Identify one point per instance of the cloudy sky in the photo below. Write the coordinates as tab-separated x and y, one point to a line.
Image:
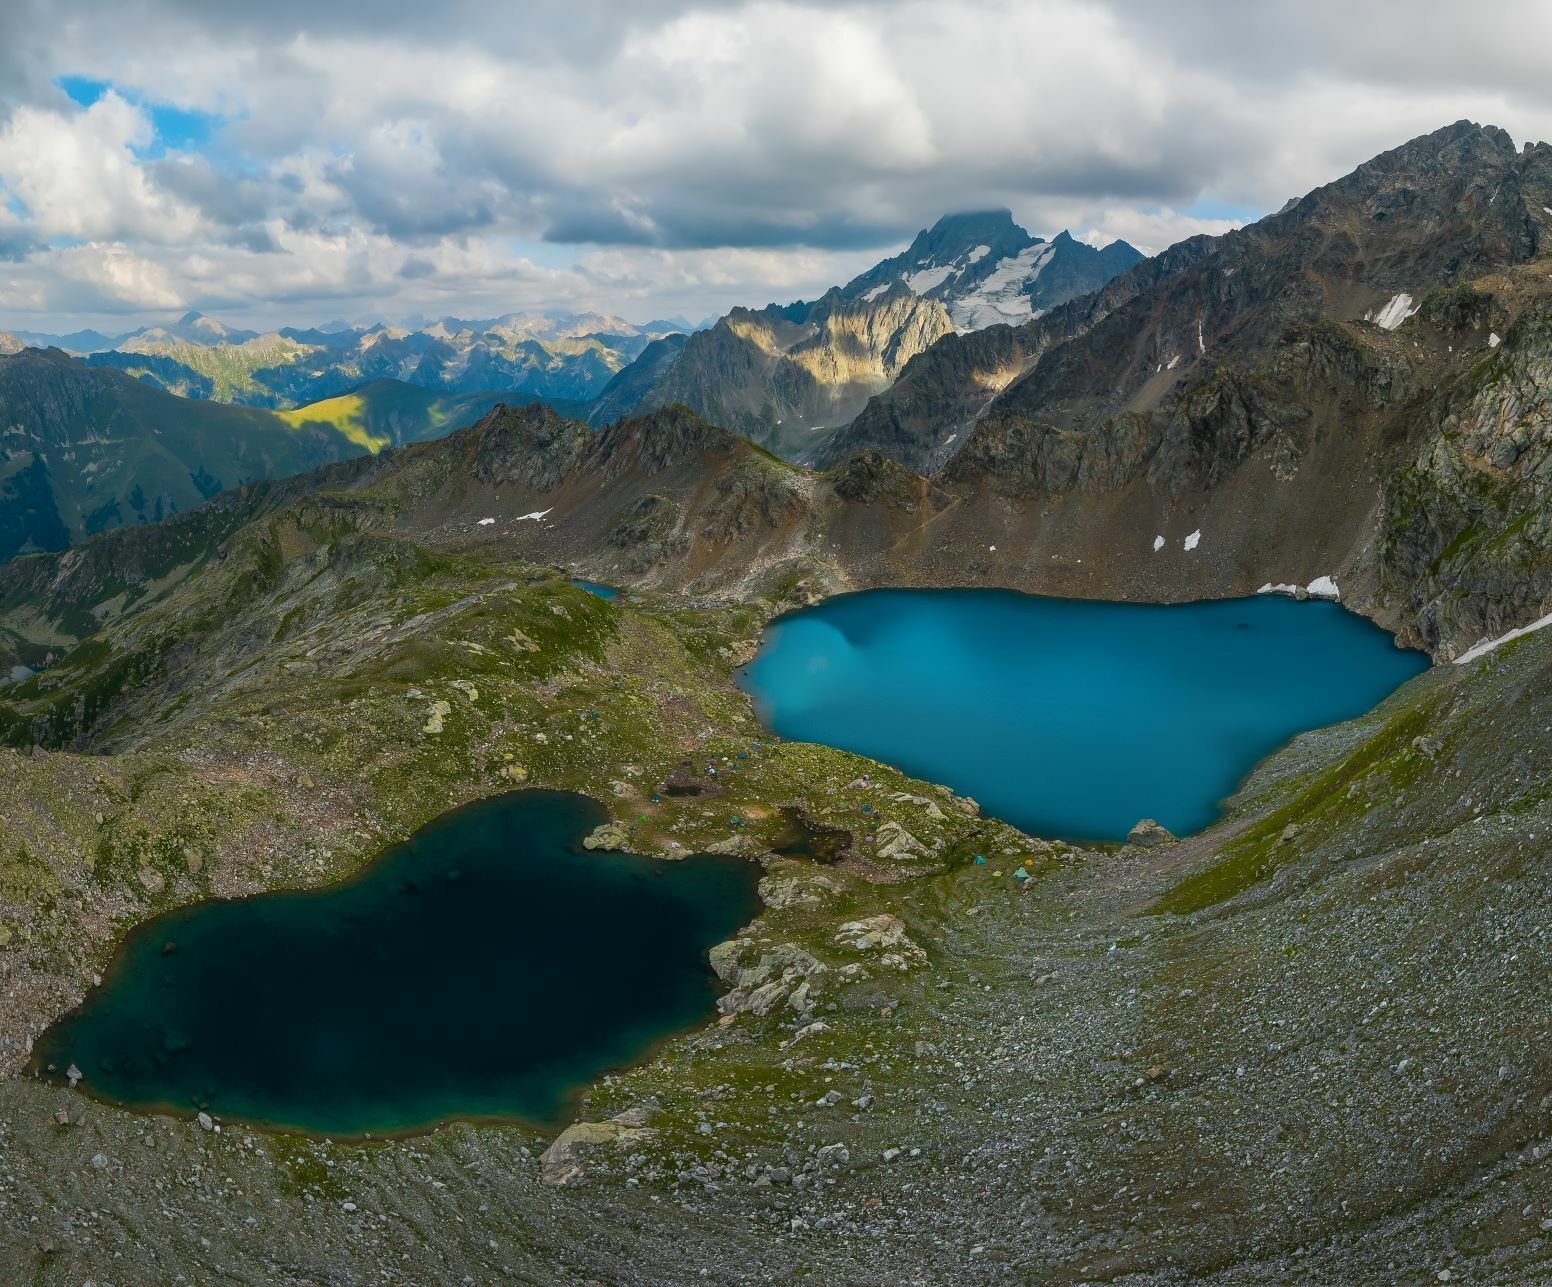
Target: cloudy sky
295	161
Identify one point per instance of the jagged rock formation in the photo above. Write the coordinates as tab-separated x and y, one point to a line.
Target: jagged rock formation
986	270
926	415
1402	469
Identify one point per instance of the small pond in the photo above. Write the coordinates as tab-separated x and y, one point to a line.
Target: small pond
1071	718
486	967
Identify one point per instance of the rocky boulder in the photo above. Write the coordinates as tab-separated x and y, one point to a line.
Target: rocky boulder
561	1163
1147	834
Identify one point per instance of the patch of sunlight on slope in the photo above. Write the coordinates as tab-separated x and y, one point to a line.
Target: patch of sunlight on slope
346	415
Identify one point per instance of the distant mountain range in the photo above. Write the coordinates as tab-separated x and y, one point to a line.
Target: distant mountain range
564	358
785	376
84	449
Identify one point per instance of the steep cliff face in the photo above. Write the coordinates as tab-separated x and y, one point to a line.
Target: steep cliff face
1465	539
627	389
782	376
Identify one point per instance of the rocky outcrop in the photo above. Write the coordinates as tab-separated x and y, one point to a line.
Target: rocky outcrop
763	977
606	836
884	935
1148	834
564	1161
530	446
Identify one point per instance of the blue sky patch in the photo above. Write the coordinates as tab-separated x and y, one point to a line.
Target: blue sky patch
178	129
1207	208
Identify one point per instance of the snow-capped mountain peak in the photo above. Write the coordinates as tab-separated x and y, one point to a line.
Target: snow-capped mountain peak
985	269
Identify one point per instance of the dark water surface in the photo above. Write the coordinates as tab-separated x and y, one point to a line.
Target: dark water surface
487	967
1071	718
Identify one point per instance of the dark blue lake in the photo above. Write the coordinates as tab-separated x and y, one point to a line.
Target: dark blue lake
487	967
1071	718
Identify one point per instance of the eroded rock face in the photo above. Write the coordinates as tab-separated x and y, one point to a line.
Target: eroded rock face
772	374
1466	537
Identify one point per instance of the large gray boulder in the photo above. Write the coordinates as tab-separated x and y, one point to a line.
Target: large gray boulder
1148	833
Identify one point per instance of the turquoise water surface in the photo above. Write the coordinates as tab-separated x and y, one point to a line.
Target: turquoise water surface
1071	718
486	967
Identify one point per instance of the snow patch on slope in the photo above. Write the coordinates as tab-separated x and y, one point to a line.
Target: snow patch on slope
1396	311
1322	587
1487	645
927	278
1000	296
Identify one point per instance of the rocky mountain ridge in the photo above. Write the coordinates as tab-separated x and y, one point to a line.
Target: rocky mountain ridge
1405	465
1441	209
788	377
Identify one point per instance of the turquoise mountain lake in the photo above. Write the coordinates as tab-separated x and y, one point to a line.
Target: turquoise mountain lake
486	967
1071	718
